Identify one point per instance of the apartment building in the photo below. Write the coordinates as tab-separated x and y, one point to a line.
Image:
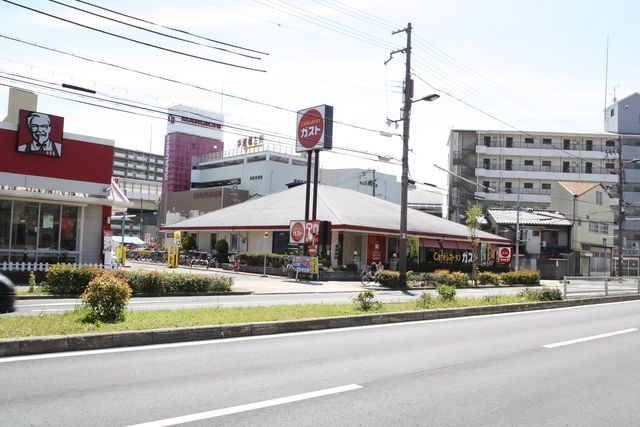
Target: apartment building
503	168
139	174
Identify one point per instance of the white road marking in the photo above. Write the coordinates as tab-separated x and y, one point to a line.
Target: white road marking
287	334
248	407
594	337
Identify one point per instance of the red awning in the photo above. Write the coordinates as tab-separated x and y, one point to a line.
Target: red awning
429	243
448	244
465	245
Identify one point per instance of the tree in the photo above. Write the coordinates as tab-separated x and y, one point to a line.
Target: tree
474	212
189	243
222	251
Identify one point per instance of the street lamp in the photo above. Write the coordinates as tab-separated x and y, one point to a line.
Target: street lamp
402	247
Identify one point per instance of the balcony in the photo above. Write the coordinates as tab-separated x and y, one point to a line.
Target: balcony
553	173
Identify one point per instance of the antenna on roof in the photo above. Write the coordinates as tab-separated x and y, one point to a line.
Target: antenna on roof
606	77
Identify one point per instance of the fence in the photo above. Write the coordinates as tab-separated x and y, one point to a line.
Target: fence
43	266
579	285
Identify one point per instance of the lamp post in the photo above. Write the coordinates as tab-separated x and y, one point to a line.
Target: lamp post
402	247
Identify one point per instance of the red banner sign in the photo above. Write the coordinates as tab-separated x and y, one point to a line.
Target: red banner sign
504	255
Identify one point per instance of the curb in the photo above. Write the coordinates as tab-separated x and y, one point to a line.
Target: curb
53	344
186	294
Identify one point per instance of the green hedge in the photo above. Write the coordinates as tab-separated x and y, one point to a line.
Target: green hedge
257	259
69	280
387	278
488	278
441	277
521	277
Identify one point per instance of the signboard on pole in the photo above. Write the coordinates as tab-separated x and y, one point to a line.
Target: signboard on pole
297	231
504	255
314	129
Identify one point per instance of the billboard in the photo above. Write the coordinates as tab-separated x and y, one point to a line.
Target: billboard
504	255
40	133
314	129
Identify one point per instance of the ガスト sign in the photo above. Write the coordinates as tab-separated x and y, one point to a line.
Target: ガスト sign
315	129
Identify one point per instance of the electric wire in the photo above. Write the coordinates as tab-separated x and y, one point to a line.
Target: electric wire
171	28
229	64
152	31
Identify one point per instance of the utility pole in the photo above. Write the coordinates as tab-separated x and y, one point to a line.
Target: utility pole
517	263
406	114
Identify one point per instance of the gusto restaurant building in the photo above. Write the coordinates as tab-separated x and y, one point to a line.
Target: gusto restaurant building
56	191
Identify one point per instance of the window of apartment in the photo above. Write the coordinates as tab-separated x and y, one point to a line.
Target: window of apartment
546	163
485	186
508	164
546	186
509	142
486	163
589	145
593	227
487	141
565	166
599	197
588	167
604	228
566	144
507	187
528	185
546	140
528	140
609	166
613	112
528	162
611	143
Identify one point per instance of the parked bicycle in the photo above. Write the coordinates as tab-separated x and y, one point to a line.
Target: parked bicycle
369	274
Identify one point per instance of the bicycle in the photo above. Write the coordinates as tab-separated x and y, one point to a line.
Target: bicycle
366	276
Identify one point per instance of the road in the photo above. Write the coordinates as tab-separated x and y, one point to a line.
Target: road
572	367
53	305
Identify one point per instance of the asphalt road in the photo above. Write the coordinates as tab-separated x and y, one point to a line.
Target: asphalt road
570	367
53	305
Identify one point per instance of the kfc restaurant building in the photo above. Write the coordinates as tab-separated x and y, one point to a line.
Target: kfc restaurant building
56	192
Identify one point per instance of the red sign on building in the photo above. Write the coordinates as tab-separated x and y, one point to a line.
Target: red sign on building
504	255
315	129
376	249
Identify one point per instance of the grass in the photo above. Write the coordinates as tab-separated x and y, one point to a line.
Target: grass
74	322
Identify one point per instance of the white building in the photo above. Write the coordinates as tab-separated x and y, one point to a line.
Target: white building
507	168
267	168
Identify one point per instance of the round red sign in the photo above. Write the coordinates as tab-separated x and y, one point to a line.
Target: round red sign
310	128
505	252
297	232
313	251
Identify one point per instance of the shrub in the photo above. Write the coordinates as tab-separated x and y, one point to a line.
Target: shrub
387	278
65	279
351	267
178	283
542	294
365	301
146	283
425	300
488	278
447	293
222	251
459	279
521	277
32	282
106	298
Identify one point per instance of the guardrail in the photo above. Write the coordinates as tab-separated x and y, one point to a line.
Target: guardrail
43	266
607	285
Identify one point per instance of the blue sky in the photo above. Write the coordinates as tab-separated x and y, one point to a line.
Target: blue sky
533	65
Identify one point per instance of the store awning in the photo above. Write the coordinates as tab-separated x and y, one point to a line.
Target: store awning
465	246
448	244
429	243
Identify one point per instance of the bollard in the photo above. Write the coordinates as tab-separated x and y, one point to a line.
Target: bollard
606	285
565	283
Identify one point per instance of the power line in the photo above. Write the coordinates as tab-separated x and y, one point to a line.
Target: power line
152	31
171	28
134	40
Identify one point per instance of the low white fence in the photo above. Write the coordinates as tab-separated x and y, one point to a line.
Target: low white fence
43	266
607	285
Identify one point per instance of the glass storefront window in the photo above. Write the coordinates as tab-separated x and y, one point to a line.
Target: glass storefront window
25	225
49	227
69	229
5	223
